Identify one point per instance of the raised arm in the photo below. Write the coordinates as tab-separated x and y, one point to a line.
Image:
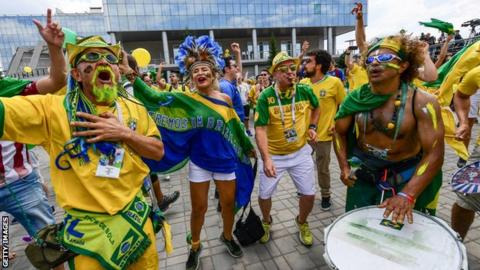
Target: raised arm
348	61
360	37
52	34
238	55
305	46
443	52
160	83
429	72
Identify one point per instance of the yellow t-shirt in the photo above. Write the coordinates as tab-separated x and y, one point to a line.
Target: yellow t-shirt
268	114
252	94
180	88
470	82
357	77
42	120
330	93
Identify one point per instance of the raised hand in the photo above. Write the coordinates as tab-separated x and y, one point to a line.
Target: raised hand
305	46
357	10
235	48
52	32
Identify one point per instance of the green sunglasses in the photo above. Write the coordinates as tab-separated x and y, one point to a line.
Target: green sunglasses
95	57
285	69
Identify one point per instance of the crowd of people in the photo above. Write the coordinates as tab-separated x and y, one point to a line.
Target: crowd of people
110	130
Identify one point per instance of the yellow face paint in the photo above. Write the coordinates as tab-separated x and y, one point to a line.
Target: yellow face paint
337	142
433	114
422	169
434	144
357	130
392	66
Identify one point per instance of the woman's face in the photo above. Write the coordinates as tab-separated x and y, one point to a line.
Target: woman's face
202	76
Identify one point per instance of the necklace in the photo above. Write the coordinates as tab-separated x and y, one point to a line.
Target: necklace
397	115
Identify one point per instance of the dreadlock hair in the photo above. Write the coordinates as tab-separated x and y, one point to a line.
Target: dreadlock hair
412	50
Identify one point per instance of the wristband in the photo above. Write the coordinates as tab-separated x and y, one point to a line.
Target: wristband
409	198
312	126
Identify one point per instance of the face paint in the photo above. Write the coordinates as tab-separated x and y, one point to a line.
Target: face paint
433	114
422	169
105	93
392	66
88	69
337	143
357	130
434	144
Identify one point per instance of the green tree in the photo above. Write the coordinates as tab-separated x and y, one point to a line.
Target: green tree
272	49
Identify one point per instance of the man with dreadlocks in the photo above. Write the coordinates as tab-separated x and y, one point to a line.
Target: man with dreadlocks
392	134
96	139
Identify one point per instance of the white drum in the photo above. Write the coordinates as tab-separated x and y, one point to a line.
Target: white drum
357	240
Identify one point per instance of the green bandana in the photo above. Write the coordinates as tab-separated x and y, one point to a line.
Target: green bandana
360	100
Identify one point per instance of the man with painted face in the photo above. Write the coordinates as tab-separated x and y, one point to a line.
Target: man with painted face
389	136
96	140
282	127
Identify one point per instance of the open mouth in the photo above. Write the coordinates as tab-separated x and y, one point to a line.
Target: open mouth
375	72
202	79
104	77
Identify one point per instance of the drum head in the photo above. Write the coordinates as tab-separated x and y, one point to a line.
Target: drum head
467	179
357	240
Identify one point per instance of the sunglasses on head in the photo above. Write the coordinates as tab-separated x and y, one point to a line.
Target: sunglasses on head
96	56
382	58
285	68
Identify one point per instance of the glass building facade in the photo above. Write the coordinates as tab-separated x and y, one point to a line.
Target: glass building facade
161	25
16	31
151	15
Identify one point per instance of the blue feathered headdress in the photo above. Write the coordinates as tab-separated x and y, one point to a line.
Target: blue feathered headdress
201	49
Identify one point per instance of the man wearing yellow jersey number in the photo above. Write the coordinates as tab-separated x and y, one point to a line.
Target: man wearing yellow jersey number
281	133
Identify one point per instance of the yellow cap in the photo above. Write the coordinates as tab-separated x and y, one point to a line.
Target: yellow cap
74	50
280	58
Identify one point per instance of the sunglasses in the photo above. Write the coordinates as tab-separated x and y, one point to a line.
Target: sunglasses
382	58
95	57
285	69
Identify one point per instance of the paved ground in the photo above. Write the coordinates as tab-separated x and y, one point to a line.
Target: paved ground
284	251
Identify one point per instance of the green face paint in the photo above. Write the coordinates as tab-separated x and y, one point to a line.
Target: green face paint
433	115
422	169
106	93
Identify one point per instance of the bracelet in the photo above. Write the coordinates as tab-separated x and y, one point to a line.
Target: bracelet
312	126
409	198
